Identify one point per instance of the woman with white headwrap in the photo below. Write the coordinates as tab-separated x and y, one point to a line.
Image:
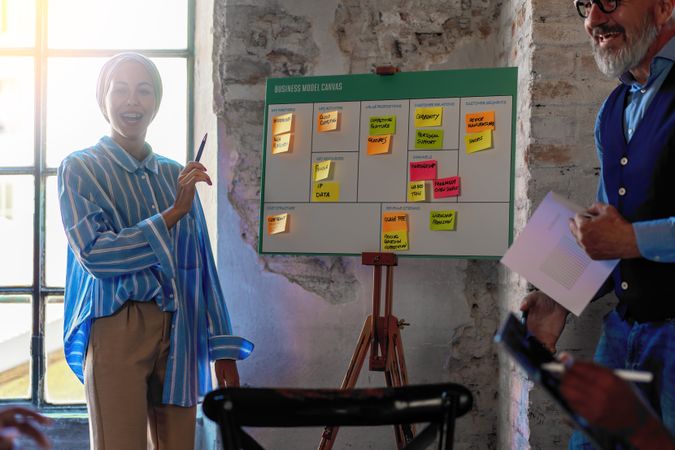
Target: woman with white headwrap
144	311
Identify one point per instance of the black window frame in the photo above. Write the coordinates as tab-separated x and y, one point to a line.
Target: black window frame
38	292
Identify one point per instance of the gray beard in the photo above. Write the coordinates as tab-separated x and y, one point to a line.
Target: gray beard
615	63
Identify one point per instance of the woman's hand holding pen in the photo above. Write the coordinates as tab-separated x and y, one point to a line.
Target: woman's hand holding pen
193	173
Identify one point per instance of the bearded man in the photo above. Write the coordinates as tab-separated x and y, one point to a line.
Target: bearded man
634	217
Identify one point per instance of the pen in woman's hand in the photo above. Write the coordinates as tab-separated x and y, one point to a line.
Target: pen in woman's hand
201	148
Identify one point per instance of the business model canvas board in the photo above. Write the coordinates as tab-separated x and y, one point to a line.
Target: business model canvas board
418	164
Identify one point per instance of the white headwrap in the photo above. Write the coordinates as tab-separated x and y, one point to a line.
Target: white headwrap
112	64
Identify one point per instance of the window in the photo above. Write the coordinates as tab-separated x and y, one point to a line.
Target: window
50	55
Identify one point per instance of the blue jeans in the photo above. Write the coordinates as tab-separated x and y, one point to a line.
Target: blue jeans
640	346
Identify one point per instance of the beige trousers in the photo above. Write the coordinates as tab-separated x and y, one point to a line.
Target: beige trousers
123	380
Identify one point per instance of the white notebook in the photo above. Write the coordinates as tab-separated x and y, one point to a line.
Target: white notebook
546	254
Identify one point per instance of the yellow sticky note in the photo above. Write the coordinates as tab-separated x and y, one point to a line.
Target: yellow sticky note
282	124
394	221
476	142
322	170
379	144
281	143
428	117
328	121
395	240
480	121
277	224
326	191
442	220
416	191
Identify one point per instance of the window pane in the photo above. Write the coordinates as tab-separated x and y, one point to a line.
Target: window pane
120	24
62	386
167	133
15	333
74	120
55	240
17	23
16	229
16	111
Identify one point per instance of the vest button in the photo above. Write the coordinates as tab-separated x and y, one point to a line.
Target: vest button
622	191
624	286
623	161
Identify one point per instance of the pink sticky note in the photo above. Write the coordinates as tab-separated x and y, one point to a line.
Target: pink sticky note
423	170
446	187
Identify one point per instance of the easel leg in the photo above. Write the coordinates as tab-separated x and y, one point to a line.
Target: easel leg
351	377
396	375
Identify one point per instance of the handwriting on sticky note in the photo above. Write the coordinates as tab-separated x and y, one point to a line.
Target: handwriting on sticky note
277	224
394	221
322	170
476	122
428	117
282	124
326	191
429	139
475	142
395	240
446	187
442	220
380	125
378	145
328	121
281	143
416	191
423	170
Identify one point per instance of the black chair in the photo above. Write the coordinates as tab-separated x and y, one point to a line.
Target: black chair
438	404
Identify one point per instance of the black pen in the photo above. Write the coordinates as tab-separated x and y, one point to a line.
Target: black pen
201	147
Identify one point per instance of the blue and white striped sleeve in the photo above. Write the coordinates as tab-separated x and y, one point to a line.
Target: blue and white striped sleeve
103	251
222	343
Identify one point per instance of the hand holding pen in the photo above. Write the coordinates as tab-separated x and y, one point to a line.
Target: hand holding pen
186	188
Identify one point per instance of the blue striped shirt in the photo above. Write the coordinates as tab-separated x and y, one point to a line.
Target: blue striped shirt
121	249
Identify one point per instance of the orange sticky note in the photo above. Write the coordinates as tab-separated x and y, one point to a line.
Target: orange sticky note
277	224
282	124
328	121
394	221
480	121
378	145
281	143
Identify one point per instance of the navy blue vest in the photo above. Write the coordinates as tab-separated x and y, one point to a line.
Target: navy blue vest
640	182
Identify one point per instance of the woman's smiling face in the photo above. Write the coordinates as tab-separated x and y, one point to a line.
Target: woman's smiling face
130	102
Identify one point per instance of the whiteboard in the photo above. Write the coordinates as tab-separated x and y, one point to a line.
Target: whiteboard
367	187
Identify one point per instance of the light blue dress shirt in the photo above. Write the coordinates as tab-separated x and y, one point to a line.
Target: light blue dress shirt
655	238
120	249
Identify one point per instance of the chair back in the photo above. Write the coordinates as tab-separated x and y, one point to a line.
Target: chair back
438	404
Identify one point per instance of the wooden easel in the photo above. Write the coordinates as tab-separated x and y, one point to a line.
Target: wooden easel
382	334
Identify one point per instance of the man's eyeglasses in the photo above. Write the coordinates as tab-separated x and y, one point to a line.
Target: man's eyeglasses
584	6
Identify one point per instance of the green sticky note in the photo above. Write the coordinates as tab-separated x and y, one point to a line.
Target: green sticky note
380	125
429	139
442	220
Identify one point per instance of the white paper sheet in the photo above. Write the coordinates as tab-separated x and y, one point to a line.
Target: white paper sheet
547	255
